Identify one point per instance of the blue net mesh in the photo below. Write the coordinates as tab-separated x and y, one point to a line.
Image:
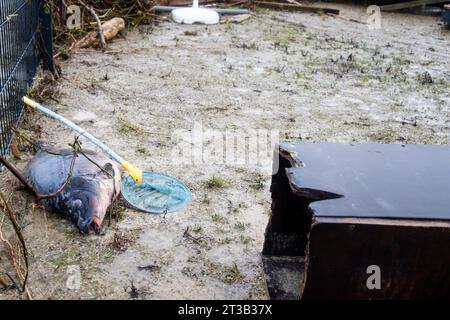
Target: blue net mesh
157	193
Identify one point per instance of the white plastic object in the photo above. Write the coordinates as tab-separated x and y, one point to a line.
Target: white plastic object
195	14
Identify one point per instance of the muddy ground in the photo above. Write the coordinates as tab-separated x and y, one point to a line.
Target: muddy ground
308	76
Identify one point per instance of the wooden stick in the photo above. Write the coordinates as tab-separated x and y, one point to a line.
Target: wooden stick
293	7
103	44
3	283
409	4
337	16
19	176
68	50
233	4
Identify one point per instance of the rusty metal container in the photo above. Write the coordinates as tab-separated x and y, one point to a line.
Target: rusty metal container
338	210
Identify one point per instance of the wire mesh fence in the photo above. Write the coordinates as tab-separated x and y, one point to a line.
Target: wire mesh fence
24	35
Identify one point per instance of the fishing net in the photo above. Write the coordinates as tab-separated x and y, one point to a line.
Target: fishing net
157	193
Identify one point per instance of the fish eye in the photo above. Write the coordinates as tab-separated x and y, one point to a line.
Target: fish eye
77	204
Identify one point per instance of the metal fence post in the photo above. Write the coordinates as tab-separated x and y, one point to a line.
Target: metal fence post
46	36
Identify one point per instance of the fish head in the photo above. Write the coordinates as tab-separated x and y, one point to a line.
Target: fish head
87	211
89	201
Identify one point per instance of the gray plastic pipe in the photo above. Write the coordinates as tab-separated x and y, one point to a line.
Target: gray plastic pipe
219	11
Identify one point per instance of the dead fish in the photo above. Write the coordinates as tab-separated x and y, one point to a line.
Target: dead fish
89	194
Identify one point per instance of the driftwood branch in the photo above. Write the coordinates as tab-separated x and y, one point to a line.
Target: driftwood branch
17	266
19	176
3	283
337	16
13	284
103	44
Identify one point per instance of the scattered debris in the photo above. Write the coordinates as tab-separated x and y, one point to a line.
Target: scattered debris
425	78
150	267
133	12
120	241
258	184
193	33
228	274
412	122
133	291
44	87
201	241
189	272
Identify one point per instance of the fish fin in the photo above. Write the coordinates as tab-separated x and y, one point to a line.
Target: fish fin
41	145
108	167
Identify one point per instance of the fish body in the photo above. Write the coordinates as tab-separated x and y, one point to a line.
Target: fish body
91	190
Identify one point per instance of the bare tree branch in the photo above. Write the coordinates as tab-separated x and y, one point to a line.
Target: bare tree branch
103	44
17	264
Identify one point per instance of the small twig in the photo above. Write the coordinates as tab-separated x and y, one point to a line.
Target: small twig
234	4
68	50
196	240
150	267
407	122
96	164
338	16
13	284
103	44
22	136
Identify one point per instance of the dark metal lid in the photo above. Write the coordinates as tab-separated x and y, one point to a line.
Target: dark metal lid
371	180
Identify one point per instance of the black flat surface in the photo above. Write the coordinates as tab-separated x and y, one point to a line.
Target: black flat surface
372	180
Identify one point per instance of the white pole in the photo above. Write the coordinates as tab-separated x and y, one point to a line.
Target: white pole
75	128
